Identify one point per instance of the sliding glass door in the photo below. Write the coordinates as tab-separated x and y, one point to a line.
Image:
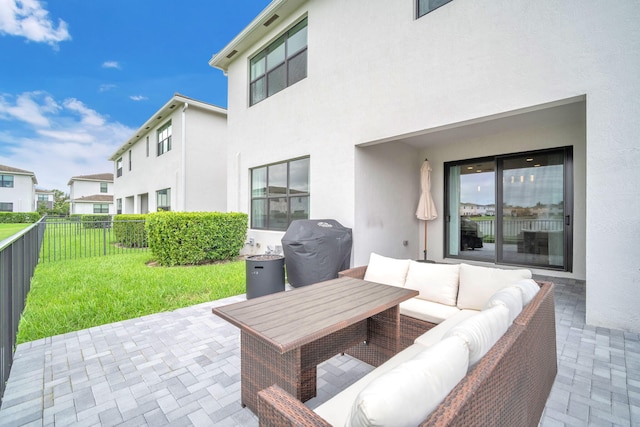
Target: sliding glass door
511	209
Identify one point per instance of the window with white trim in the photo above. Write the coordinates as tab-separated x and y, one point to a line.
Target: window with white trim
100	208
119	167
6	207
281	64
164	138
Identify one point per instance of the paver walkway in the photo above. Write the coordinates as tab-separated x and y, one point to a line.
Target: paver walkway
183	368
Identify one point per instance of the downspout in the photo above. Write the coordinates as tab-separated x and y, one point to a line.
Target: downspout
184	157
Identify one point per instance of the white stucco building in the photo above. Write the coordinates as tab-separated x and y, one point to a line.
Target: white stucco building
17	190
175	161
91	194
333	106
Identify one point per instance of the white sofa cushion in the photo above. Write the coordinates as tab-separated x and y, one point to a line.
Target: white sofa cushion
427	310
388	271
477	284
408	393
529	289
510	297
336	410
436	333
481	331
435	282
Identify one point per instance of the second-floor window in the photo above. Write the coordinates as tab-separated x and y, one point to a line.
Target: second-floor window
129	160
426	6
164	138
6	181
281	64
119	167
104	187
119	206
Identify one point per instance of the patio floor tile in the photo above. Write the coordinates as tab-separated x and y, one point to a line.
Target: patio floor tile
182	368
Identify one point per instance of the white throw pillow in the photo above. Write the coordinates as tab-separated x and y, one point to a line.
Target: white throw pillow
529	289
477	284
435	282
481	331
407	394
388	271
510	297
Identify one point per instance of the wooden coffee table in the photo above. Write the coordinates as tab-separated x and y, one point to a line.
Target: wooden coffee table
284	336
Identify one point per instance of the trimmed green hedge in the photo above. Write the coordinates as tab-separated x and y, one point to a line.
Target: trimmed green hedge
93	220
187	238
19	217
129	230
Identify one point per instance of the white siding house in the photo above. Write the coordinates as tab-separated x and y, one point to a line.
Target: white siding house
17	190
373	87
44	198
175	161
91	194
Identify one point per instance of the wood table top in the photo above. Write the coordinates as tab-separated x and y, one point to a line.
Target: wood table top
288	320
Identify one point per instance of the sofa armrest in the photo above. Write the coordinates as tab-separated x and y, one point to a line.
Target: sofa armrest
355	272
278	408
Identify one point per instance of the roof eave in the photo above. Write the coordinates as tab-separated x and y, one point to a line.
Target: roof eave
253	32
162	113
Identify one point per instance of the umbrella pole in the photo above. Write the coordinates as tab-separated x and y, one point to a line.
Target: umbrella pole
425	240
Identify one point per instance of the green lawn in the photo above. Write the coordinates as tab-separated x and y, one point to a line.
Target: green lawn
8	230
76	294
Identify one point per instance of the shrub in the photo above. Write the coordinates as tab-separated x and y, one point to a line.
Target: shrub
129	230
95	221
187	238
19	217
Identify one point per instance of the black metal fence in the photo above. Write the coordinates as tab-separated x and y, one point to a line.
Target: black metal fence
71	239
18	260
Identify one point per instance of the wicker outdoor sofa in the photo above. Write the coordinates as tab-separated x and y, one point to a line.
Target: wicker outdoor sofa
508	386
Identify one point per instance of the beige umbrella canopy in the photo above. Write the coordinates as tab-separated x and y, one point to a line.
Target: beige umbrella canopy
426	210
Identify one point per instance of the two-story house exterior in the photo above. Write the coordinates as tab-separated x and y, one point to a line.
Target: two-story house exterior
175	161
17	190
91	194
333	106
44	199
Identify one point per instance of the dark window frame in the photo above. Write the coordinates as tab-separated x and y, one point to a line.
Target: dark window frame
7	181
119	167
498	160
100	208
165	192
6	206
282	65
420	12
268	196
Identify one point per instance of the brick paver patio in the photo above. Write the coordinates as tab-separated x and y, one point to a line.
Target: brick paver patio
183	368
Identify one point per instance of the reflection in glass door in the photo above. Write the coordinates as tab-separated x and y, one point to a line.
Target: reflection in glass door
532	209
511	209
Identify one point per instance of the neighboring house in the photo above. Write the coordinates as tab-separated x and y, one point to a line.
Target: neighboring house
333	106
17	190
91	194
44	198
176	161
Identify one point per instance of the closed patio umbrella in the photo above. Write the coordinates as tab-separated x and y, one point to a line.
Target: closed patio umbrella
426	210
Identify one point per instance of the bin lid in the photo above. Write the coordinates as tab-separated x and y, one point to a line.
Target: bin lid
264	257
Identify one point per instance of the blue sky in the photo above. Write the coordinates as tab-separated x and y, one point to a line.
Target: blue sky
78	77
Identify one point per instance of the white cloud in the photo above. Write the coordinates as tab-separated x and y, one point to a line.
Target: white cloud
68	138
138	98
106	87
29	19
111	64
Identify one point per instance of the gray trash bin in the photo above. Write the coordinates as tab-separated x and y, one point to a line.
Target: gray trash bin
265	275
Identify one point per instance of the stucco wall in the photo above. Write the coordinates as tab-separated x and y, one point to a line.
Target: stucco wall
22	194
377	74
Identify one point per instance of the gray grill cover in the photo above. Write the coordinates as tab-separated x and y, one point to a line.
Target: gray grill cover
315	250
